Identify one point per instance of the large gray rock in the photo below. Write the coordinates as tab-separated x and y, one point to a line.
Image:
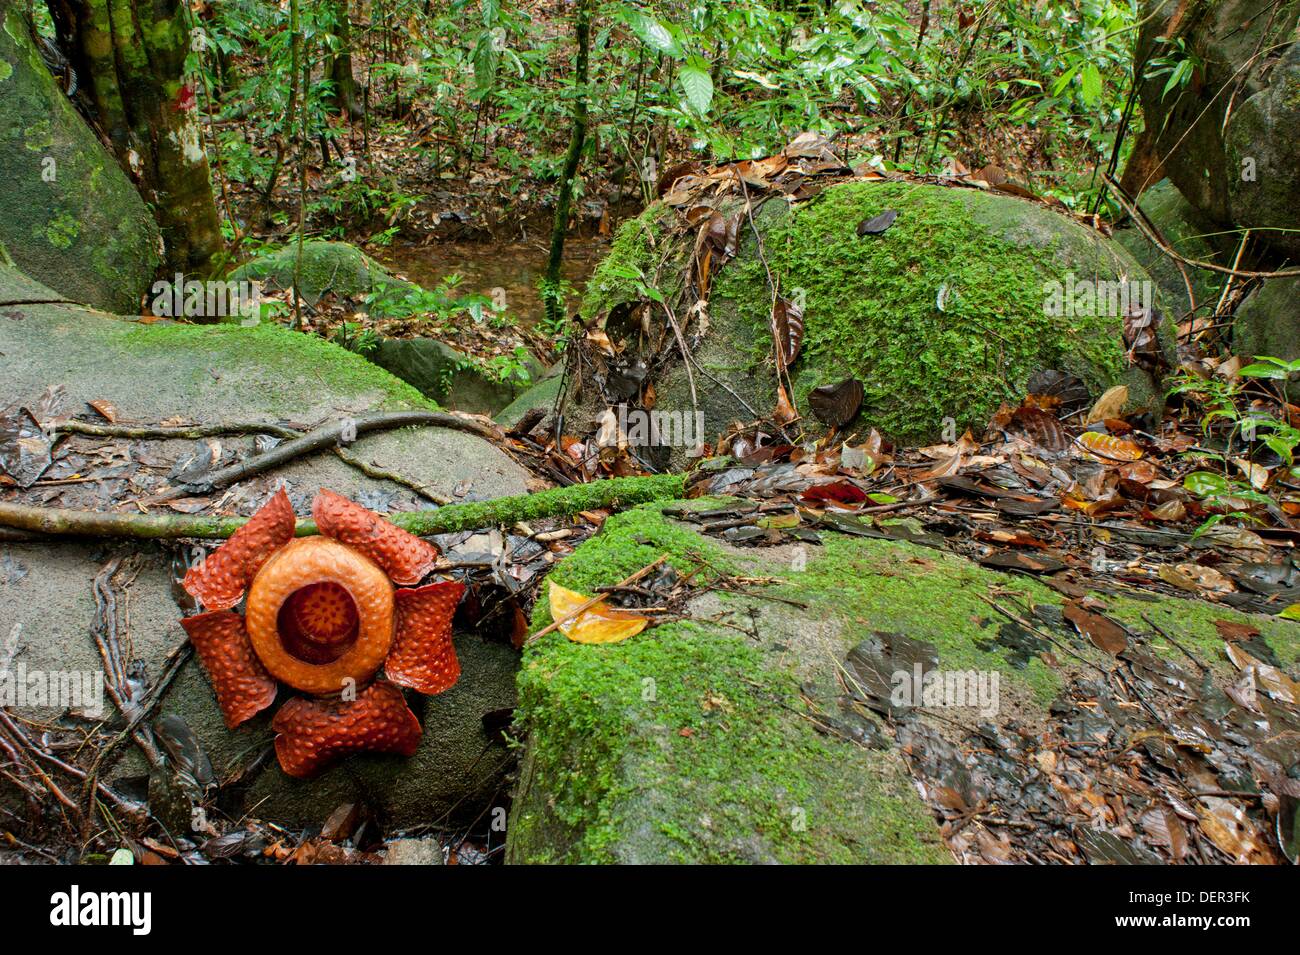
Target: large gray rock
1268	321
335	268
447	376
72	219
226	372
945	315
1264	136
1238	45
697	740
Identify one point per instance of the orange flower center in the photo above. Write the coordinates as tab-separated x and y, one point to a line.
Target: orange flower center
320	615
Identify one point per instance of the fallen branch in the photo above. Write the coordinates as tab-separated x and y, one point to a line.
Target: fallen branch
327	436
556	502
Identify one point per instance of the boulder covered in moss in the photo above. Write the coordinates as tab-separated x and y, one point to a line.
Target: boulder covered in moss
155	372
327	268
724	737
944	315
72	219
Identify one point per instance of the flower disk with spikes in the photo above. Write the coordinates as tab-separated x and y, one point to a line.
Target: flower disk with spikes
323	616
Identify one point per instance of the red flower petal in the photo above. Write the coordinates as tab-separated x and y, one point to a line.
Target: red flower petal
315	733
423	656
402	555
242	685
221	579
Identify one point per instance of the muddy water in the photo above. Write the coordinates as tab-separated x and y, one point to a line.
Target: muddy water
513	267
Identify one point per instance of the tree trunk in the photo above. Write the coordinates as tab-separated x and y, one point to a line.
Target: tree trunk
339	67
552	294
130	55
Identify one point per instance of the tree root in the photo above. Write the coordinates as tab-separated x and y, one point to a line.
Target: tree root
556	502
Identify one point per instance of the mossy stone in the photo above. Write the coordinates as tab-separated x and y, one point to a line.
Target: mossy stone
327	267
944	315
689	742
72	219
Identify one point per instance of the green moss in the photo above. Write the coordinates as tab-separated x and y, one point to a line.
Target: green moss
62	231
871	303
715	763
685	744
272	346
878	585
327	267
6	70
38	137
637	255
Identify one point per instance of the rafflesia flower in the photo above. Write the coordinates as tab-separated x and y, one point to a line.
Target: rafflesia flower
323	616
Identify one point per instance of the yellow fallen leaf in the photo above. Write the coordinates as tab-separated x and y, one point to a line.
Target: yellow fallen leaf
1109	446
1108	405
599	623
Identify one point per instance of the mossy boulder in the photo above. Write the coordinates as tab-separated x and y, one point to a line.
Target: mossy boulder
946	314
449	376
72	219
1188	233
540	395
327	268
694	741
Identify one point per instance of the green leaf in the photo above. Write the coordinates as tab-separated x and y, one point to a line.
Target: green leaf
1260	370
1206	484
880	498
697	84
1091	80
1291	613
656	35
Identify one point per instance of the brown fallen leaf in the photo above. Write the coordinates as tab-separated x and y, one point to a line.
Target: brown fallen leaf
106	408
1105	634
1272	681
1110	447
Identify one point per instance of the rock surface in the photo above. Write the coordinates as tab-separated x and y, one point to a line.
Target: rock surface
1268	321
72	219
692	742
1243	66
944	315
1187	232
327	267
444	374
225	372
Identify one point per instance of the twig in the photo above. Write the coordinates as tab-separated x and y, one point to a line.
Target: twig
383	474
326	436
159	433
1150	233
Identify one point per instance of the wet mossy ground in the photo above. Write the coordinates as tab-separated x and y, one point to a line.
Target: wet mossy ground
690	741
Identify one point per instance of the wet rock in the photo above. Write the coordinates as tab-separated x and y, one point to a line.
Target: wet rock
327	268
447	375
1268	321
